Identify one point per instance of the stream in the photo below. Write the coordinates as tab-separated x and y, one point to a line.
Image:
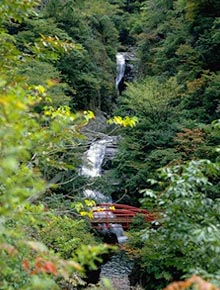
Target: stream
119	266
117	270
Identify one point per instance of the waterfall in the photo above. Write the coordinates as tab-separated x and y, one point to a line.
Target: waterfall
117	229
126	69
92	167
93	159
121	65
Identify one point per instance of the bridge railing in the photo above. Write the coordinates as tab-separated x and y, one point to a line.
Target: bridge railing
106	213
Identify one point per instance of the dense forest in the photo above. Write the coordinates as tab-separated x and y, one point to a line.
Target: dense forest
57	85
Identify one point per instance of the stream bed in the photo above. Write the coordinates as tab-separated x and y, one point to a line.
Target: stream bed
117	270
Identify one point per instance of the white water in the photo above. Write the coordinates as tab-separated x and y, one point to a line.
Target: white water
117	229
93	159
92	167
97	196
121	64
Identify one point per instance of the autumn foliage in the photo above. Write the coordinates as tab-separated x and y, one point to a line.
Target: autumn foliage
196	282
40	266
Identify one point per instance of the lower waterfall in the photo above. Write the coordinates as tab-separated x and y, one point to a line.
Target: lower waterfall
92	167
94	157
117	229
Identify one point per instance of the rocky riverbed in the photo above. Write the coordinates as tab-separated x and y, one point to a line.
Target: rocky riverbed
117	271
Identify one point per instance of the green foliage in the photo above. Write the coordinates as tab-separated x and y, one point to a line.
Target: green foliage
15	255
149	145
138	223
203	99
17	10
64	235
31	260
29	264
7	44
152	98
89	255
187	240
91	25
28	148
163	157
43	38
45	74
177	88
38	146
172	43
64	54
17	179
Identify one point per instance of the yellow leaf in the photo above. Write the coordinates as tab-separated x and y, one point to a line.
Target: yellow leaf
20	105
40	89
89	115
4	100
112	207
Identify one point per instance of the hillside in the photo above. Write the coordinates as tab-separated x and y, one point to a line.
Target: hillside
58	95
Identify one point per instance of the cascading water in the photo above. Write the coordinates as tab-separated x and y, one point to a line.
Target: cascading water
93	159
119	266
117	229
92	167
117	269
121	65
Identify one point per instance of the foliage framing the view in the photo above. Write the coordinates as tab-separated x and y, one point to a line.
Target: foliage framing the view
34	139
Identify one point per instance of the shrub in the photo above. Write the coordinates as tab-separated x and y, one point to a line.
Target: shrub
65	235
188	239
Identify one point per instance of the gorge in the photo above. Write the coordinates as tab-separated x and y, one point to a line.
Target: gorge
152	69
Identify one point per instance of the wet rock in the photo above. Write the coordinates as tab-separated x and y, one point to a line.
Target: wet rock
117	270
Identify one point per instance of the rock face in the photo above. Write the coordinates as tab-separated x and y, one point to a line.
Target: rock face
130	71
96	126
110	152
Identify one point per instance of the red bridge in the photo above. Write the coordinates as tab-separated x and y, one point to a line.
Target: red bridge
106	214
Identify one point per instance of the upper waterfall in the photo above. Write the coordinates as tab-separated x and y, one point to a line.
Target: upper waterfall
121	65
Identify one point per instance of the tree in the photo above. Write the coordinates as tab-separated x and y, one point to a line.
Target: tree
186	241
91	25
151	98
33	146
